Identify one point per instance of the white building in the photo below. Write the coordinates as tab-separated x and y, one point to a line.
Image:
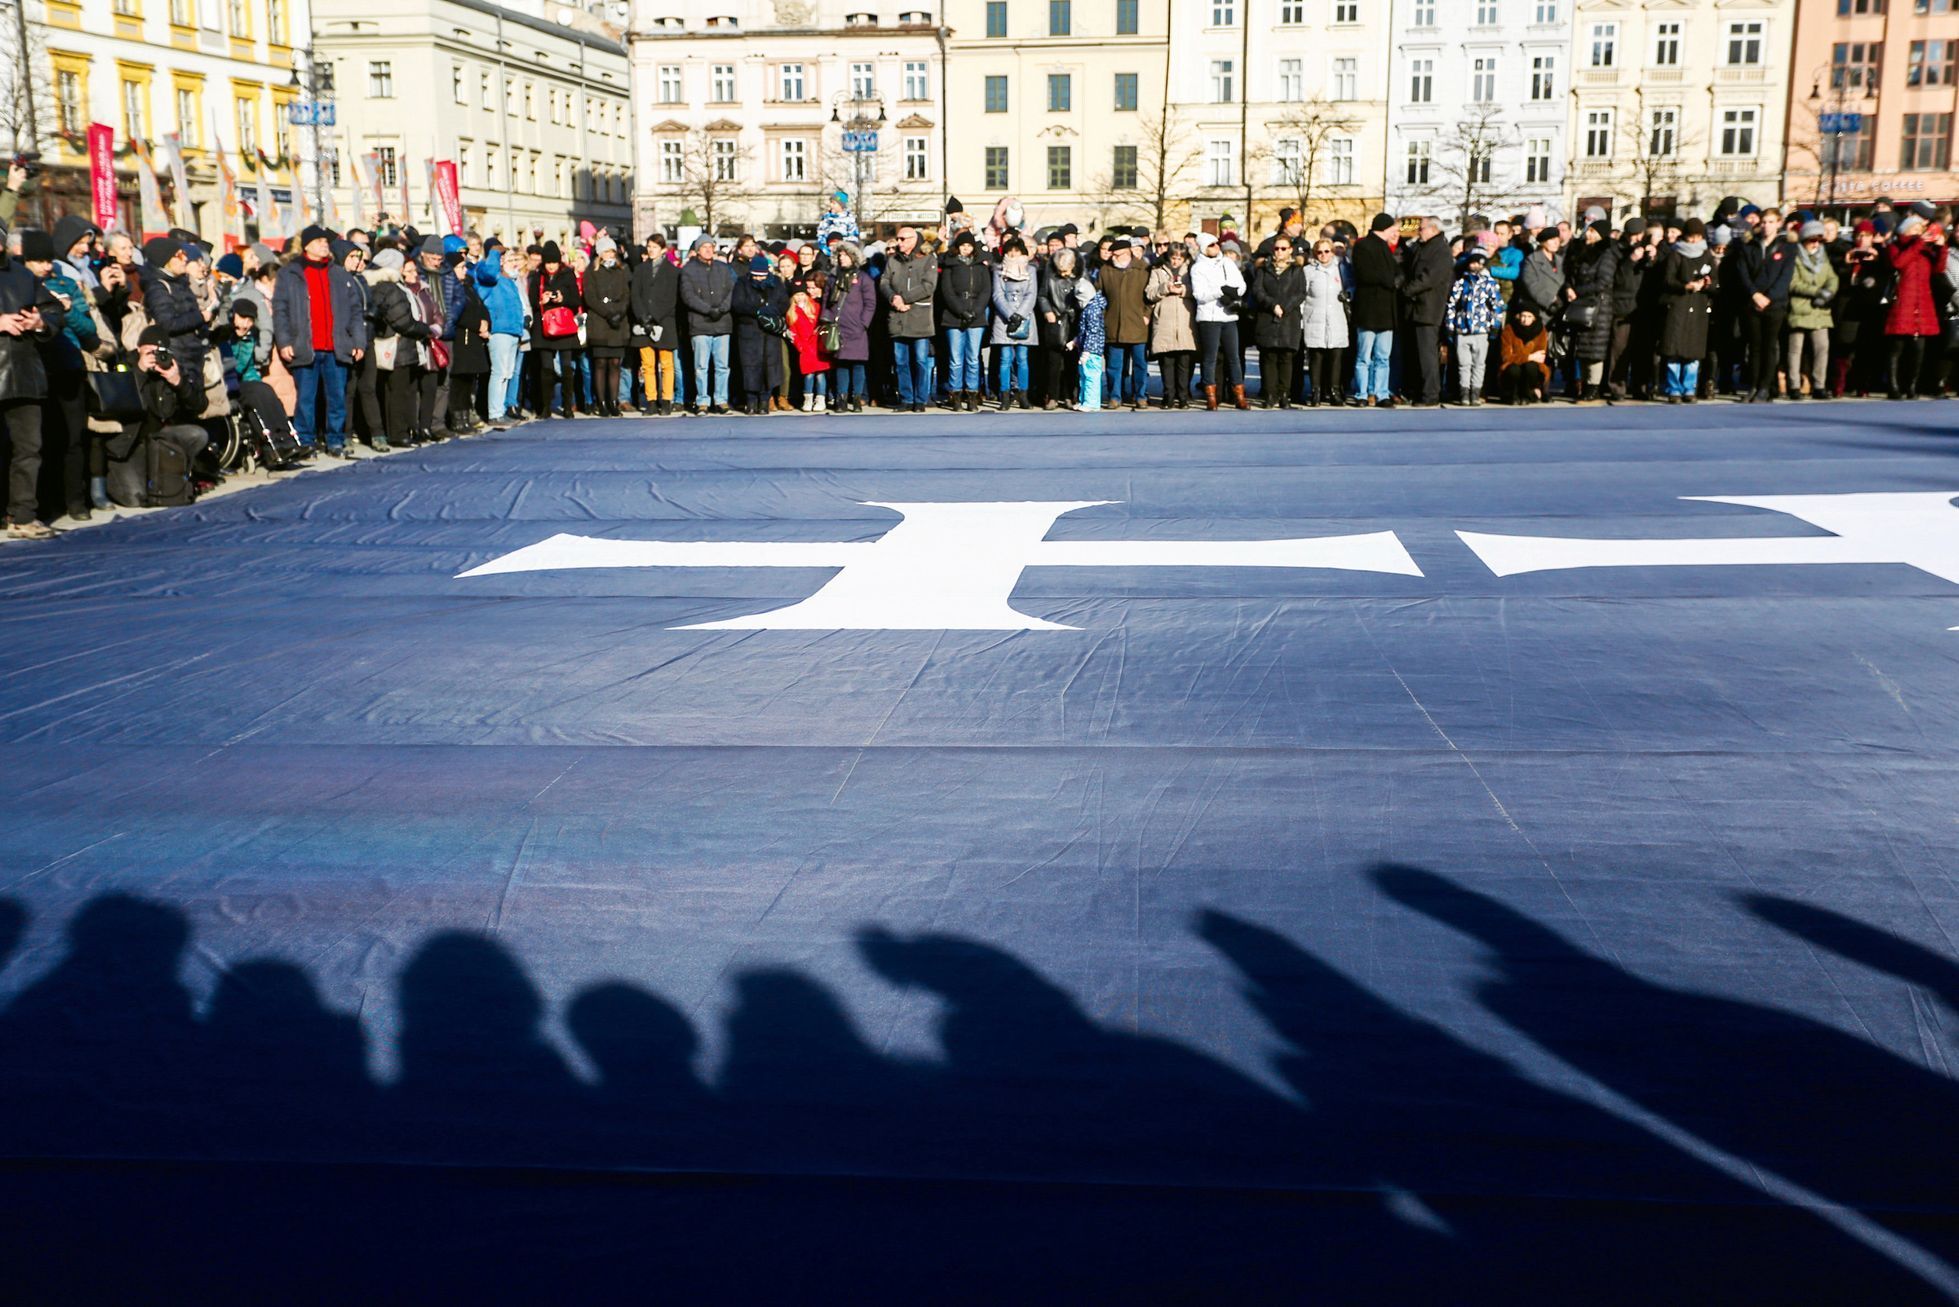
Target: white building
1478	106
1280	103
530	101
743	107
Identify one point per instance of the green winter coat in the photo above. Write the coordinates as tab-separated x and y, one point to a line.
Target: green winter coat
1805	314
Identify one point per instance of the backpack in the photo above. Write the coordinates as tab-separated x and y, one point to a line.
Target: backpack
148	473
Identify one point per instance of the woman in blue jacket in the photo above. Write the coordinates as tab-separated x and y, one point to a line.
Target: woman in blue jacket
508	322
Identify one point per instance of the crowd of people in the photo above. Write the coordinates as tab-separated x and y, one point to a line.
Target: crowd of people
118	359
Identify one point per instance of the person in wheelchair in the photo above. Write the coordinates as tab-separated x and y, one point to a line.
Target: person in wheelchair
246	344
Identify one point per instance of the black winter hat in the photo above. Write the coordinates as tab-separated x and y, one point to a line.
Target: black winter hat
1634	227
69	230
36	244
952	204
160	250
314	233
244	308
153	335
552	254
1382	221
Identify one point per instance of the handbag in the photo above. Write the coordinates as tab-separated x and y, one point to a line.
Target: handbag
113	395
559	322
439	350
1580	317
386	350
829	334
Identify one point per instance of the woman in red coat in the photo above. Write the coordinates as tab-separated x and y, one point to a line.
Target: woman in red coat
811	361
1917	255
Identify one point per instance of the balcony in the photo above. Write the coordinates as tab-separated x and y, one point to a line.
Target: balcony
1734	168
1673	74
1741	75
1598	76
1593	168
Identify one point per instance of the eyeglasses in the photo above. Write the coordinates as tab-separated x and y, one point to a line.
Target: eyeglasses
1324	249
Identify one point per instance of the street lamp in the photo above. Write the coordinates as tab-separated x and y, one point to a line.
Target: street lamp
858	121
315	84
1833	120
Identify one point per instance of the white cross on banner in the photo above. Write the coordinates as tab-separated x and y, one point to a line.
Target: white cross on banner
946	567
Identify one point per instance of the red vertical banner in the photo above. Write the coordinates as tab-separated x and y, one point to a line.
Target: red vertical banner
102	174
448	193
401	175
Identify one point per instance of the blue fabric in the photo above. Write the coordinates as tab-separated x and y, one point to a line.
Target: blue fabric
1274	935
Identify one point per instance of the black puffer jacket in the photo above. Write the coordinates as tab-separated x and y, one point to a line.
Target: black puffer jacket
608	306
1283	290
1056	296
1593	272
965	289
22	373
172	305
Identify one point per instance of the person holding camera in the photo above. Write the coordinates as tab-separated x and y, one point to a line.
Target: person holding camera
1173	337
172	399
173	303
1218	288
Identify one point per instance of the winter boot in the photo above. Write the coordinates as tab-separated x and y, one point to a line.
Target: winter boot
1238	397
1211	398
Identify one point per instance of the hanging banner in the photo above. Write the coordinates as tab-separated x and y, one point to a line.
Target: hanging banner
377	183
102	174
407	204
181	209
271	225
230	206
448	192
149	195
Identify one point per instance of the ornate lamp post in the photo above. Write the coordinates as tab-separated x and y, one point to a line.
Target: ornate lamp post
860	120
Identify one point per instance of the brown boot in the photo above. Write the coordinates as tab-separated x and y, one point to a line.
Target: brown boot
1211	398
1238	397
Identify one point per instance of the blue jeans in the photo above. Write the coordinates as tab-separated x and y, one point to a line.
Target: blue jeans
849	380
1128	374
1683	376
1371	357
584	362
963	358
1010	368
815	383
914	359
324	376
711	355
503	370
513	393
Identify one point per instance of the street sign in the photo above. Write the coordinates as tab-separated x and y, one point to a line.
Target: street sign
1845	123
860	142
309	113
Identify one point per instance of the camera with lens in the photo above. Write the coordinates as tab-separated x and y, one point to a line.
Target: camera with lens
28	161
165	360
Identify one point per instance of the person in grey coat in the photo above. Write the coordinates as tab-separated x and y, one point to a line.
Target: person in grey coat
1323	321
319	352
1013	323
908	287
1541	283
707	291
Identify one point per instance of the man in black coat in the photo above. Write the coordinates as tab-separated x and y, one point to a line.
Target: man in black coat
1762	269
29	315
656	313
1425	290
1377	281
172	303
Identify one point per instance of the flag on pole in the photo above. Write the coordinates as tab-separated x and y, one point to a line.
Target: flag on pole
448	194
270	222
407	204
376	182
228	197
102	174
149	195
181	210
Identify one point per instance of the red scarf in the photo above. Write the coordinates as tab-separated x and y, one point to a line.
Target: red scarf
319	298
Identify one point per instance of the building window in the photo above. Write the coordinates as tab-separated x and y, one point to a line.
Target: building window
1927	142
1854	64
1424	15
241	19
1061	92
996	18
1061	19
1222	81
248	129
1537	160
1845	8
725	159
1346	11
1125	92
915	158
722	84
1482	79
1666	45
465	164
918	84
1738	133
135	111
390	171
68	100
1546	13
1122	169
795	161
1598	133
996	166
1126	17
458	88
275	21
1418	158
187	116
792	82
1292	13
1605	45
1486	15
1543	77
1292	79
1346	78
551	104
489	101
996	93
1663	133
491	153
183	13
1745	42
1220	159
863	81
1286	161
860	20
381	80
1340	161
1421	81
672	167
1931	63
1061	167
1224	13
669	83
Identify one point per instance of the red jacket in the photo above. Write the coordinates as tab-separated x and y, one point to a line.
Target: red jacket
1912	311
809	346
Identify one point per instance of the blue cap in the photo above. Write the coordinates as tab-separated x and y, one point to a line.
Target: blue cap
453	245
231	266
761	263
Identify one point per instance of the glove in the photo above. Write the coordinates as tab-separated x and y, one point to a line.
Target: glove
654	333
1014	322
1822	301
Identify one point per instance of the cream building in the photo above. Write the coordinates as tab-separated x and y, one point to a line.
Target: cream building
743	107
1675	105
1280	104
1060	103
530	101
216	73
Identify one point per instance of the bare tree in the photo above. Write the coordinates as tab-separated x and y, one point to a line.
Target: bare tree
28	118
1462	170
715	181
1828	154
875	185
1652	143
1155	186
1303	171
